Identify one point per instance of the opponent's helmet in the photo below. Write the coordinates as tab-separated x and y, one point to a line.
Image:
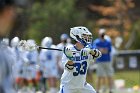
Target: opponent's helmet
81	34
63	37
31	44
14	42
6	41
47	42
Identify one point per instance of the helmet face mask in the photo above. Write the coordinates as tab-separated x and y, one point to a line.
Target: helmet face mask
87	38
81	34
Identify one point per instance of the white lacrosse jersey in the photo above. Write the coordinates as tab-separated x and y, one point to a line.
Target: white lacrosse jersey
76	78
30	69
20	57
48	56
32	56
48	61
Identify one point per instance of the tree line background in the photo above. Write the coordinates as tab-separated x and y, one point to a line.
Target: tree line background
39	18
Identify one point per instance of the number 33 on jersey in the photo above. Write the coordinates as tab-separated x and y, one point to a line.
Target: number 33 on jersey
77	75
81	61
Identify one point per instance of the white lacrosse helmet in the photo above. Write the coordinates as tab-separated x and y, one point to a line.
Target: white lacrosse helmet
64	37
15	41
81	34
6	41
31	45
47	42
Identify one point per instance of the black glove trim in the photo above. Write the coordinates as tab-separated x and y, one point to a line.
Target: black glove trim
69	67
96	52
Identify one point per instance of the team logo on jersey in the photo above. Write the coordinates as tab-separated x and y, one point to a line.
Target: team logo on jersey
84	53
82	56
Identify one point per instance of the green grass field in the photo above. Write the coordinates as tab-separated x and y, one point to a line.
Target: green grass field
132	78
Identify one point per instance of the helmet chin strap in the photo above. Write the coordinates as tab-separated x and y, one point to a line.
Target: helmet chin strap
81	41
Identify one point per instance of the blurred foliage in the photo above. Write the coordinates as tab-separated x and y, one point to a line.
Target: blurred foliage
136	28
118	17
42	18
52	18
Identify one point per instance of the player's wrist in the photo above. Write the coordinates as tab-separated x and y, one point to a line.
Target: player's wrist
69	66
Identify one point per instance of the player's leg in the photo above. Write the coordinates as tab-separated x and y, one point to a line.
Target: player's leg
34	76
37	79
67	90
40	80
41	77
87	89
18	83
44	79
23	81
110	73
17	74
52	84
100	76
110	83
29	75
53	80
17	78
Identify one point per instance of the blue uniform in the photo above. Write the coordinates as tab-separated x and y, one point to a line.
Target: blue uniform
104	65
103	44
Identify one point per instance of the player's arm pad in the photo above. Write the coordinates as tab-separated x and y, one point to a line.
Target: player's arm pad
69	67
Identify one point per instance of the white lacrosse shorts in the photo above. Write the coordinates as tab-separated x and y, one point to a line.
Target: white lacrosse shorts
86	89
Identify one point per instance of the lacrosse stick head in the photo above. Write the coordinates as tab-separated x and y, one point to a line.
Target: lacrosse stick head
27	45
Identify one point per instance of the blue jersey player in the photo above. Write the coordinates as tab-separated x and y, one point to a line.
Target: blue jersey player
76	60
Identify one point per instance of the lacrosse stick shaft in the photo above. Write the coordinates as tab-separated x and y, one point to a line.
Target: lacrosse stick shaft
40	47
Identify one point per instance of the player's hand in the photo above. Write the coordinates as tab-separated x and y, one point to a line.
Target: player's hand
68	53
95	53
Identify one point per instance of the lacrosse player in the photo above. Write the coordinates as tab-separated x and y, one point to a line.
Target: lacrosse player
76	60
30	69
17	65
48	59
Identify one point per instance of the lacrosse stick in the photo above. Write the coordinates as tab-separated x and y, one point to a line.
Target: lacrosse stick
23	44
